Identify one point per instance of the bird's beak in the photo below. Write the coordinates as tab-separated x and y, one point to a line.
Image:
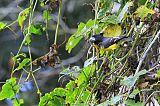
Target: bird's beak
92	39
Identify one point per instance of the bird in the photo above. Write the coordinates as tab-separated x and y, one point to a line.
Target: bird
107	43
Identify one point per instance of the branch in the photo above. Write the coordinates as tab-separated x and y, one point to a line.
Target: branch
145	53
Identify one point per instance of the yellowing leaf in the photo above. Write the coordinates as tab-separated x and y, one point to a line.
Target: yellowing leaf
112	30
22	16
143	11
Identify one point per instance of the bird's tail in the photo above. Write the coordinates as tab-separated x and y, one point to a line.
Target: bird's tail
124	38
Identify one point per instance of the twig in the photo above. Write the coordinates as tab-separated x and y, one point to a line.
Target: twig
150	97
145	53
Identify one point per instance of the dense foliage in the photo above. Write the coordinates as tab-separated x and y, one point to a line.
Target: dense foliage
128	74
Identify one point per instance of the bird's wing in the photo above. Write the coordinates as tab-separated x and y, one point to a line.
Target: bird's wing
110	41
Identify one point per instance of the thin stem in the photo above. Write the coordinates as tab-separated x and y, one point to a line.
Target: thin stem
38	90
30	56
58	22
47	35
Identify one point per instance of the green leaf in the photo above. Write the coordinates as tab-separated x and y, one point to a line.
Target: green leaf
124	11
111	19
143	11
157	97
35	29
71	95
158	73
106	103
9	89
58	92
72	42
70	85
17	102
46	15
113	101
71	92
23	16
2	25
90	24
83	30
21	101
52	99
44	99
131	80
83	76
134	93
58	101
23	63
142	72
132	103
85	95
27	39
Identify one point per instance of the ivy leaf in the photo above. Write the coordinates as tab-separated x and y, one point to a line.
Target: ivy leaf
132	103
22	16
131	80
115	99
83	30
142	72
112	101
123	12
23	63
9	89
2	25
46	15
143	11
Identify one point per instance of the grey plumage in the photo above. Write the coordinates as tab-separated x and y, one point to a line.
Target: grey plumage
104	42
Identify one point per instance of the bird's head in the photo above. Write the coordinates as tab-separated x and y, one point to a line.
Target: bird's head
96	38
